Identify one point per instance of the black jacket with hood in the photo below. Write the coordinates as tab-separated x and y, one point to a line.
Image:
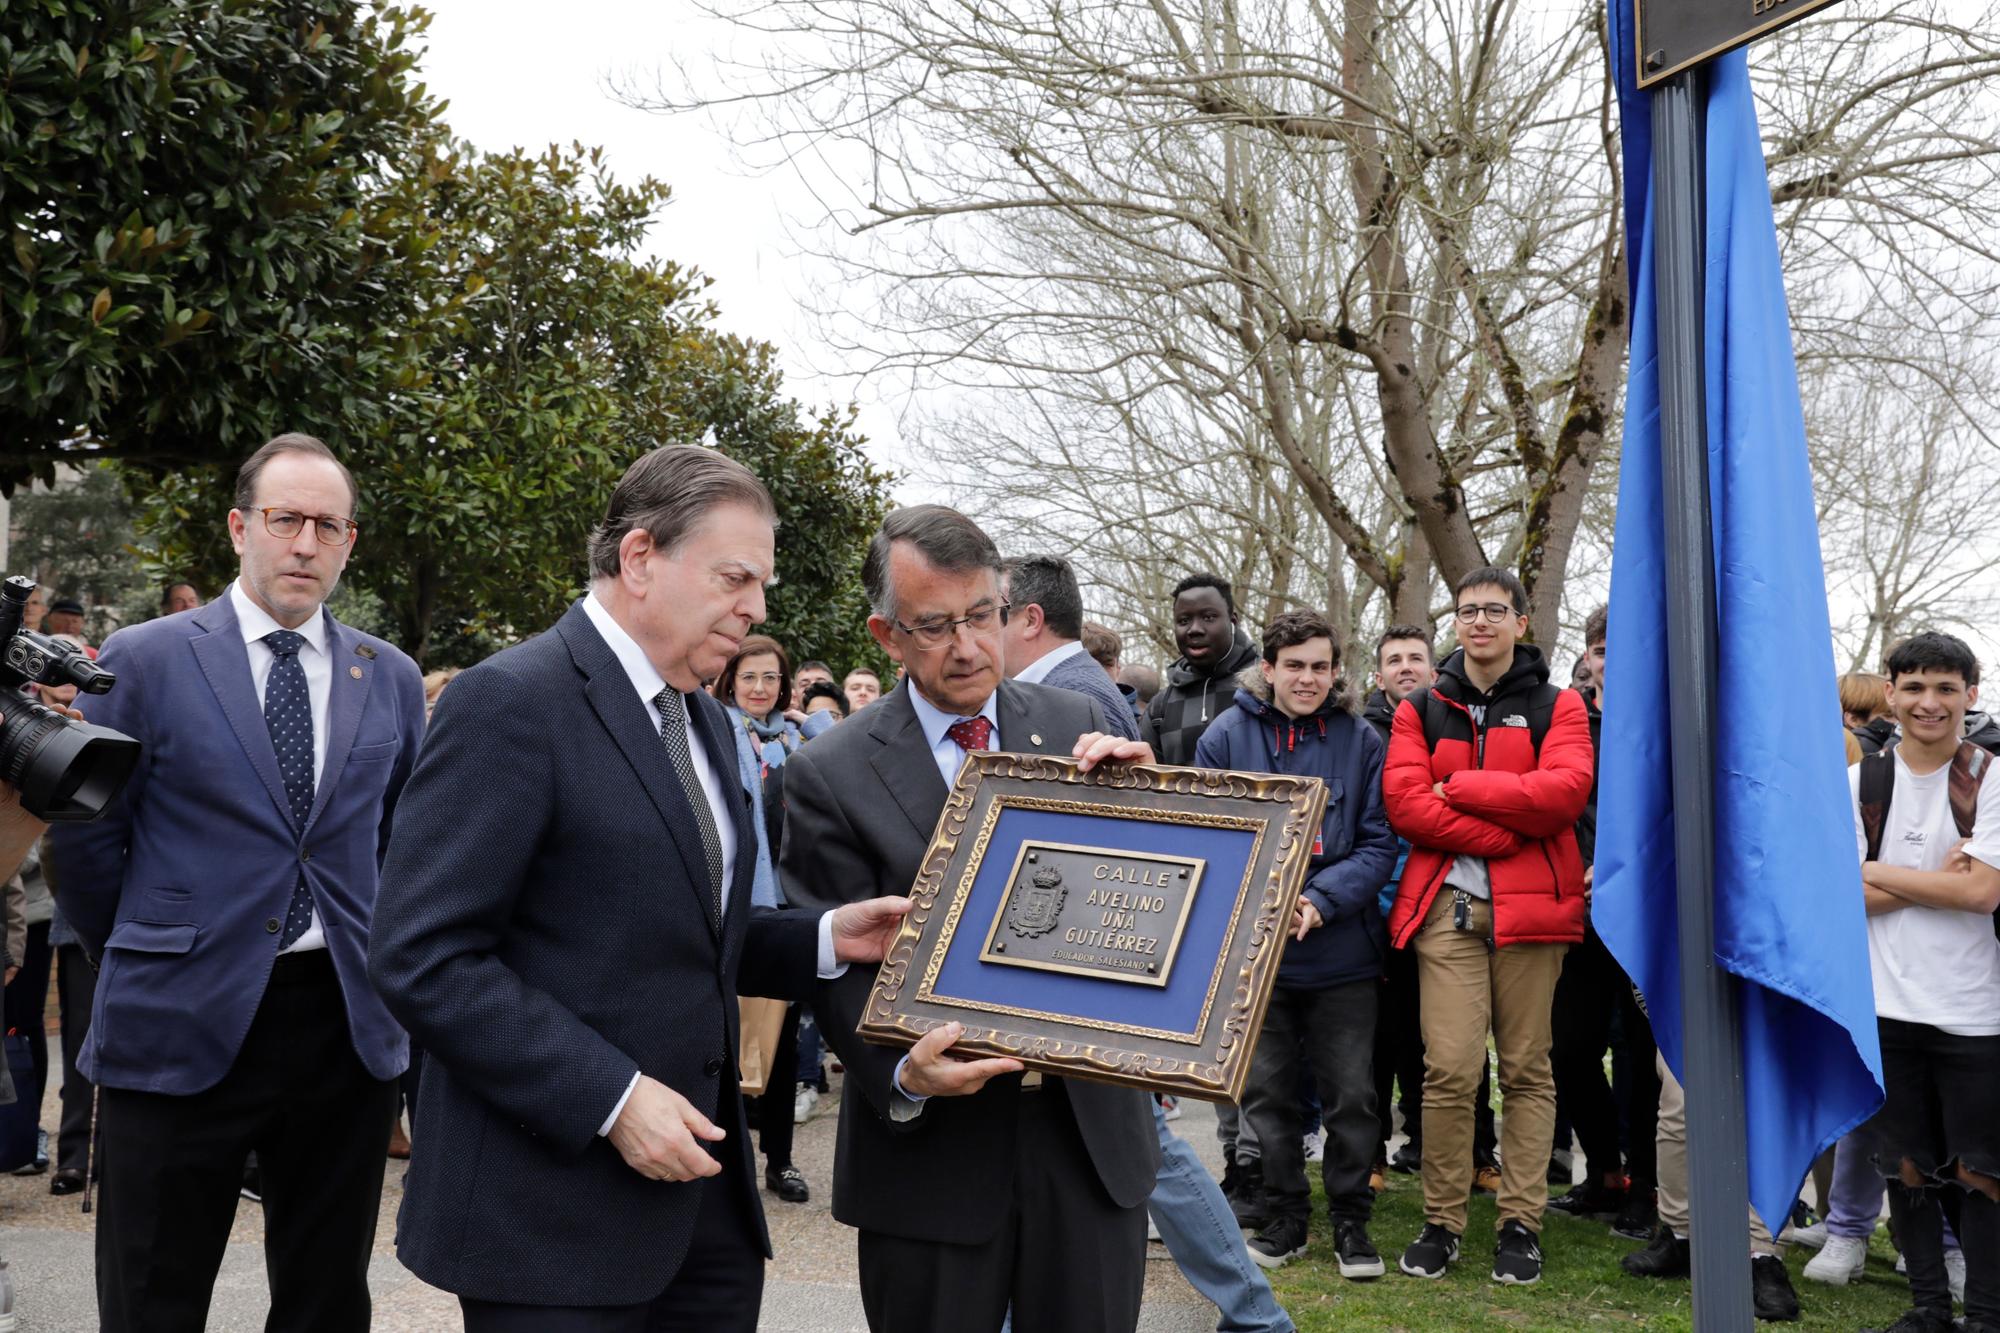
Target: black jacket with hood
1192	698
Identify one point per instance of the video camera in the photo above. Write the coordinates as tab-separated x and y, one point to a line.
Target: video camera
65	770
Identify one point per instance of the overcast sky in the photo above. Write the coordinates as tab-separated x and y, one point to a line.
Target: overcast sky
528	75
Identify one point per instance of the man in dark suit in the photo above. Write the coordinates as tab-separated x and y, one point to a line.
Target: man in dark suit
227	894
973	1185
565	928
1043	641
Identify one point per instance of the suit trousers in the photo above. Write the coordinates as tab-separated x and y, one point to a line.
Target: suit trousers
719	1287
1066	1258
299	1097
27	1001
76	985
1470	988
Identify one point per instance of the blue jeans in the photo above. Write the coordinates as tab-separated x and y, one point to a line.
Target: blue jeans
1201	1233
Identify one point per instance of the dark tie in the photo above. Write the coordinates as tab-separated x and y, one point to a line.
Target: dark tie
971	733
288	713
673	708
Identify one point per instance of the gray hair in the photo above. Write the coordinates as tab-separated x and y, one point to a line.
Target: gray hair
668	492
947	540
1049	582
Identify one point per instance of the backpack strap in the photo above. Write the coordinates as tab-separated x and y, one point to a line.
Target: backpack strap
1968	770
1878	784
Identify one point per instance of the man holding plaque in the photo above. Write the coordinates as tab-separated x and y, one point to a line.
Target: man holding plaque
1291	717
974	1186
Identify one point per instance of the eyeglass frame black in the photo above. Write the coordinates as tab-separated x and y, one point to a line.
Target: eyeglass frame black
1479	613
315	519
950	627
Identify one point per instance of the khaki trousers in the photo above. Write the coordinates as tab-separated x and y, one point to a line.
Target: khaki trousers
1467	990
1673	1146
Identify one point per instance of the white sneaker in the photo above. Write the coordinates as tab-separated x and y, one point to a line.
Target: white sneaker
1902	1265
1841	1260
802	1108
1812	1237
1316	1145
1954	1271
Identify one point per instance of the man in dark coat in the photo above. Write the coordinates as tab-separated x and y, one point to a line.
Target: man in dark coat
566	927
1291	717
973	1185
1214	649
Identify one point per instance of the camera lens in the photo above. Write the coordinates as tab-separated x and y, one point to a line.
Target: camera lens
65	770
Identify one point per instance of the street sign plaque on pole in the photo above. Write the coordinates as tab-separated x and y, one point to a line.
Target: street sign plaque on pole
1676	34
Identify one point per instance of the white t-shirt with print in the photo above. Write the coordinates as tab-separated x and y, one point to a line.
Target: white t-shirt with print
1933	966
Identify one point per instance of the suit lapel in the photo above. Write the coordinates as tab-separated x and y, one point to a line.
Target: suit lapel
718	738
347	698
904	762
225	662
637	736
1018	733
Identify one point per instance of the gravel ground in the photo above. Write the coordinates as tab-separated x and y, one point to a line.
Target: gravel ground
809	1286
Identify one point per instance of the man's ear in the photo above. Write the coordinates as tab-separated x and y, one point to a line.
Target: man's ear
633	548
882	632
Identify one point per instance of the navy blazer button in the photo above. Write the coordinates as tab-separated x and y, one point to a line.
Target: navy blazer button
713	1067
305	857
272	925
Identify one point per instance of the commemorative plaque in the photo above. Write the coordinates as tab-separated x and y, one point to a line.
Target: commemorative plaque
1122	925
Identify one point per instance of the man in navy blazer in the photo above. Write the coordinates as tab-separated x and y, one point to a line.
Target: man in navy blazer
1043	641
565	926
226	896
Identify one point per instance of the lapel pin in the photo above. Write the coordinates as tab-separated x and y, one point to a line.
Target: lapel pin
354	672
364	650
1034	740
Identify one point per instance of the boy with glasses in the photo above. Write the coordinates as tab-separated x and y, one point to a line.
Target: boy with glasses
1486	775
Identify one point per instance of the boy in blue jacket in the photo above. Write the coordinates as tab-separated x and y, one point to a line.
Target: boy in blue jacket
1291	717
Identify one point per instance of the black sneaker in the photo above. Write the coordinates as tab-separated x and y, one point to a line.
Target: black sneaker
1665	1256
1408	1161
1247	1203
1359	1259
1281	1239
1593	1198
1918	1320
1771	1294
1517	1259
1638	1217
1434	1250
788	1183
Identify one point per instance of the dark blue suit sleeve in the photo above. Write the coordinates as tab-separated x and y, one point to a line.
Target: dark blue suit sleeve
821	866
1348	885
89	859
469	826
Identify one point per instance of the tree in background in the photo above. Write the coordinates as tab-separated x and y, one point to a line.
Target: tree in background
77	540
192	248
231	220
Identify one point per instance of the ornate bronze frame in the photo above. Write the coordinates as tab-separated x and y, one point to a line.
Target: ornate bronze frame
1212	1062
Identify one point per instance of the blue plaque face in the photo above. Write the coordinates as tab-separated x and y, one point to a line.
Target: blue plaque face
1122	925
1093	912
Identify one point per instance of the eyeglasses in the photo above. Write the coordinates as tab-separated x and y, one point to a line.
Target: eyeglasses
765	678
331	529
1493	611
936	633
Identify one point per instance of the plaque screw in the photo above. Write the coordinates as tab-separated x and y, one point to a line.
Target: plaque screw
1032	858
1655	59
1152	967
1183	872
999	947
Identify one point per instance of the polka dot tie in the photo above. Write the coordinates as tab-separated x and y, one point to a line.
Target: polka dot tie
288	713
971	733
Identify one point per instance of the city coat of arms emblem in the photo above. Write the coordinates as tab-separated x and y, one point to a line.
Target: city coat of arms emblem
1037	906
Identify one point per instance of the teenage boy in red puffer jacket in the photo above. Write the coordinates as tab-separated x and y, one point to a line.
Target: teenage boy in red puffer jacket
1491	899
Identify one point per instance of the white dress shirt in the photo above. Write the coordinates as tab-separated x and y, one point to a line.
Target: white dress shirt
646	679
950	757
1038	670
317	662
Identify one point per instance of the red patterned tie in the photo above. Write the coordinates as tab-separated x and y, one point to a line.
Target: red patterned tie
971	733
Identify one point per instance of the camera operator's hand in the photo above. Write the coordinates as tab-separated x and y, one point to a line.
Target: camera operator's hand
59	696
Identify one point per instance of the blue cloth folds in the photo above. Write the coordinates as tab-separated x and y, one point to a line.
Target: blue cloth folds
1789	917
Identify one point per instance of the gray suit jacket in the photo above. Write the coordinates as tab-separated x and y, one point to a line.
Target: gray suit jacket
1082	674
860	805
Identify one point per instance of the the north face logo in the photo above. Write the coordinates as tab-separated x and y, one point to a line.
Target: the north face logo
1513	720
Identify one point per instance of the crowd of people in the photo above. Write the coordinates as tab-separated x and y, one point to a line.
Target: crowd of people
518	912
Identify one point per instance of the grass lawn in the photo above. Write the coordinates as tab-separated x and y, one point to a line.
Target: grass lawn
1582	1284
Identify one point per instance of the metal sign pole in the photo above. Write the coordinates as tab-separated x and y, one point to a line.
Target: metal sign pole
1718	1173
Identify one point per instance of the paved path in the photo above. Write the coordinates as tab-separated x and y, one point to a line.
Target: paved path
809	1286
